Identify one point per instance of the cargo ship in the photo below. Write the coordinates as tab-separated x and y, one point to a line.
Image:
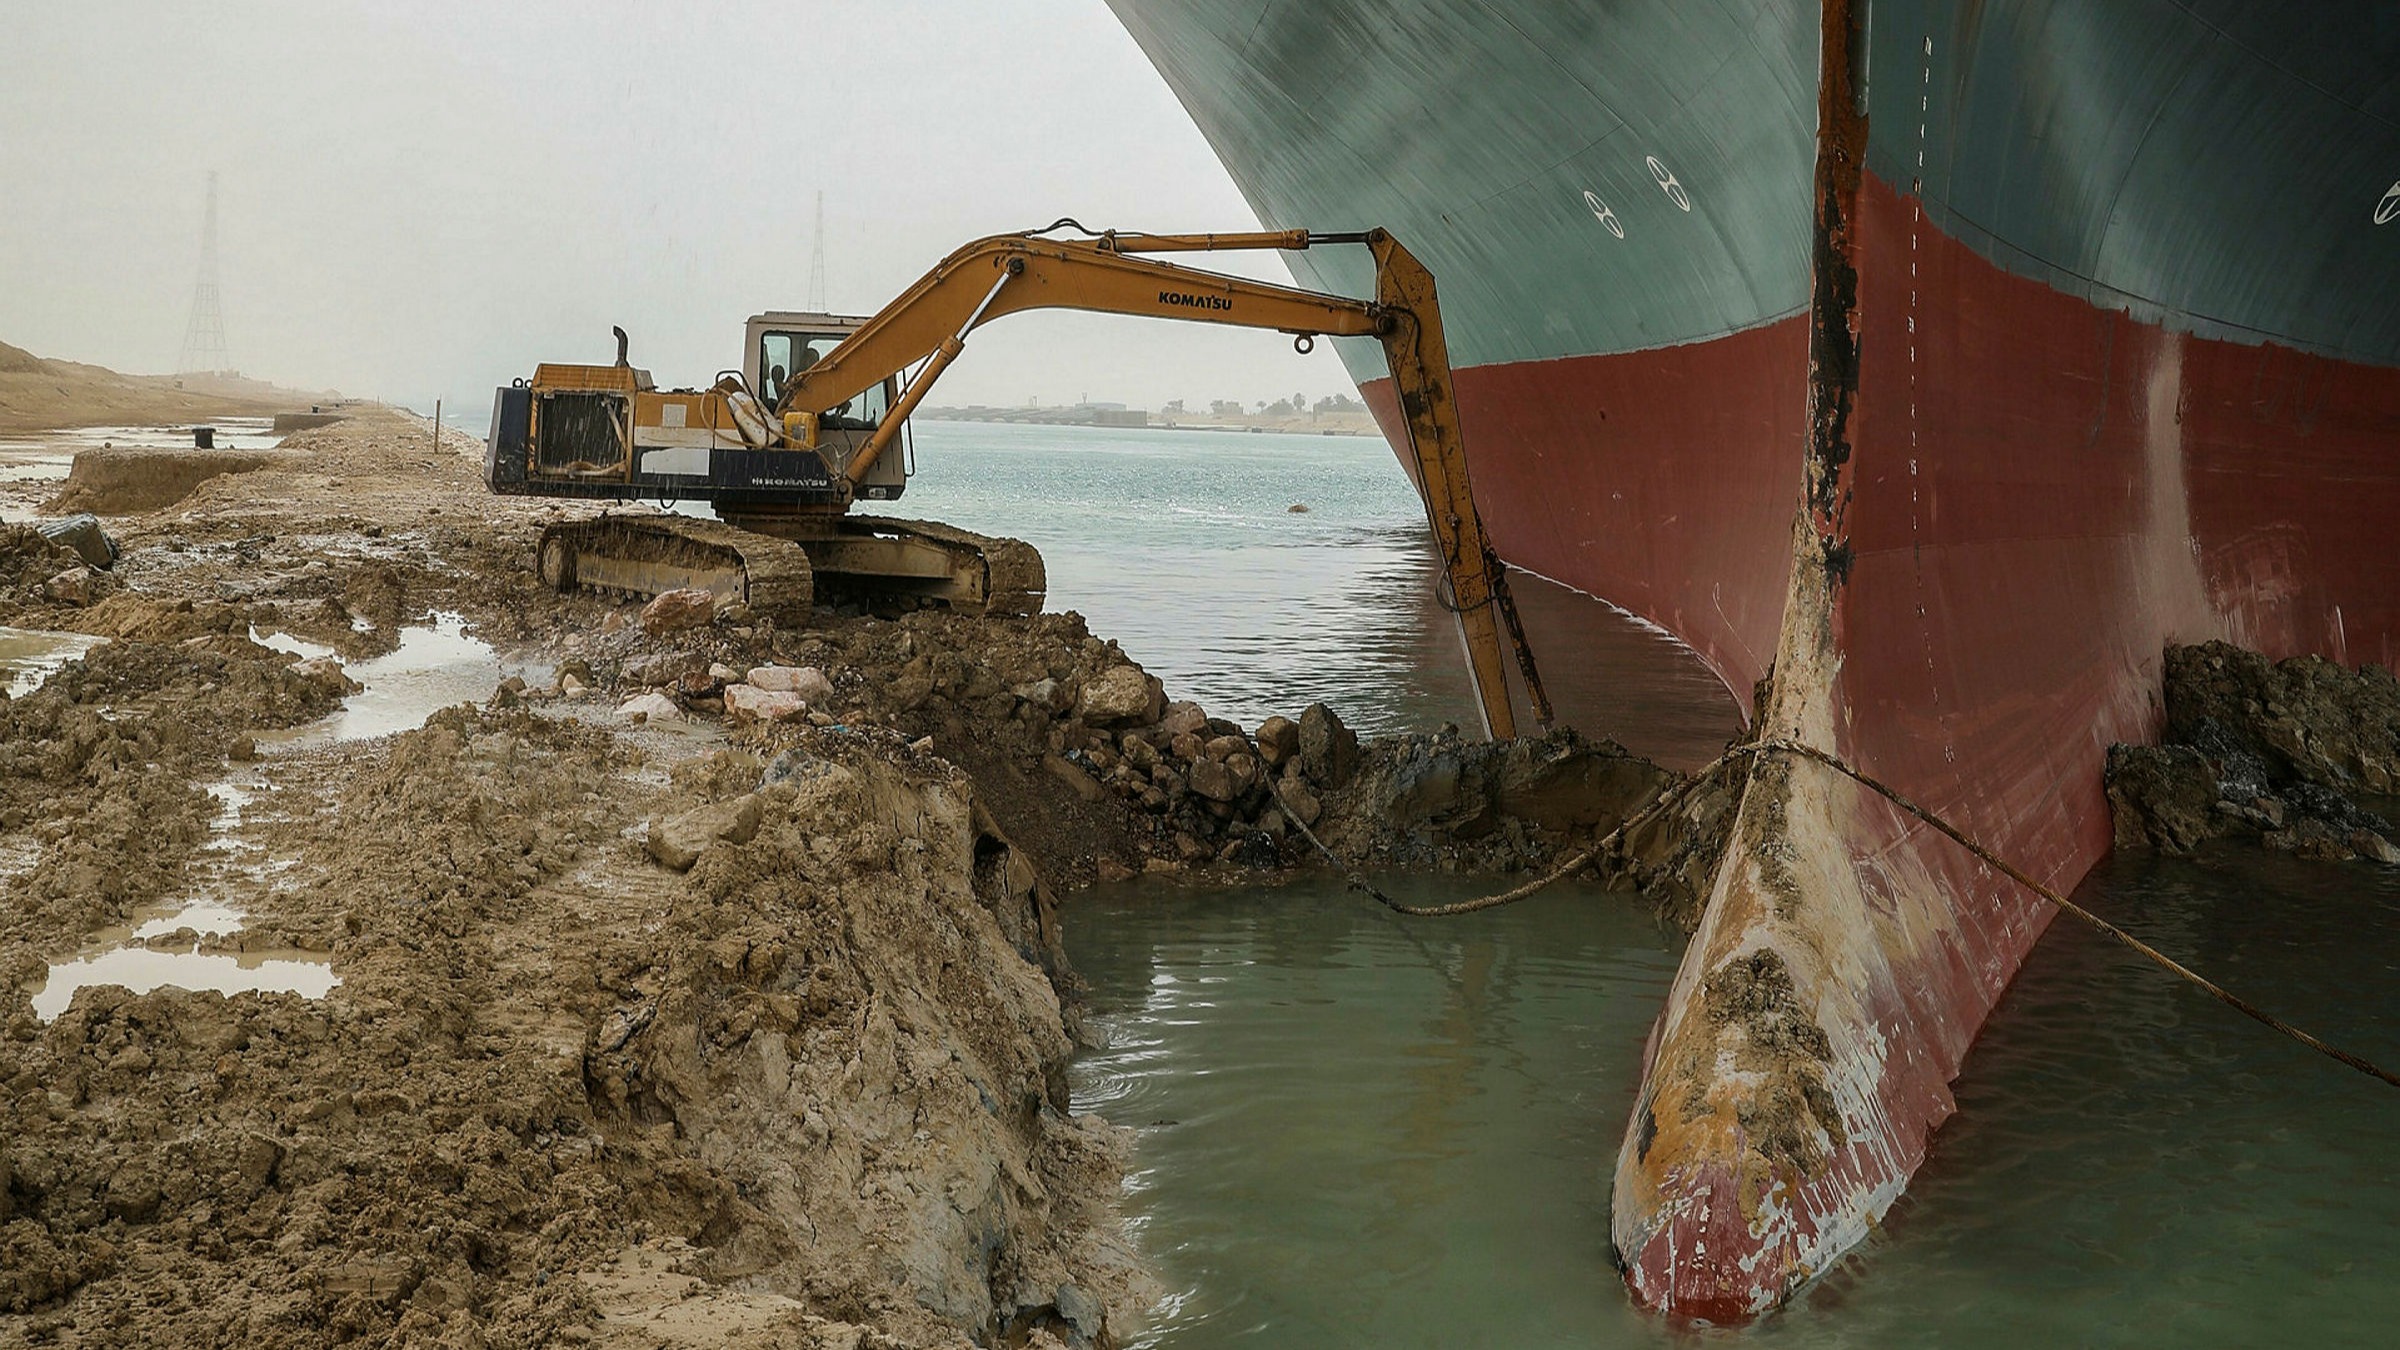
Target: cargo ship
1936	362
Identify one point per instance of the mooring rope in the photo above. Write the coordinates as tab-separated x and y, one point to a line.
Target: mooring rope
1570	867
1893	795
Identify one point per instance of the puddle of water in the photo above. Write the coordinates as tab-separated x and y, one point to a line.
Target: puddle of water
300	648
207	917
119	956
140	970
29	461
233	433
35	466
29	656
431	669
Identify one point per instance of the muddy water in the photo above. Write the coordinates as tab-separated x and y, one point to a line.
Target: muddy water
432	668
29	656
1361	1130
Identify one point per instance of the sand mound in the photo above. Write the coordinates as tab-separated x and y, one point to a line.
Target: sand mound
122	480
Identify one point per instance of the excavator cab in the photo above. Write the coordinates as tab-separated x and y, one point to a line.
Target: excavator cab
783	344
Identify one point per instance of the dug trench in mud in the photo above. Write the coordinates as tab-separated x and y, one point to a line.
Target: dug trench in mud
738	1030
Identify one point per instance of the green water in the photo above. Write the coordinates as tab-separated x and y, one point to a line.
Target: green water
1357	1129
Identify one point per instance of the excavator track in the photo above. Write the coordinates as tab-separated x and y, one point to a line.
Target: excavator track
1014	581
896	565
644	555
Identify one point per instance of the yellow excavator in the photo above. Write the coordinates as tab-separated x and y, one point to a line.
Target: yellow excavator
784	448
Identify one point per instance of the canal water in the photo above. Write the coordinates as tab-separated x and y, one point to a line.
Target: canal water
1355	1129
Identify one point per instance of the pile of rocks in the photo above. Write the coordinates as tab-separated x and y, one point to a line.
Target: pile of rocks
1222	792
2279	751
674	683
59	564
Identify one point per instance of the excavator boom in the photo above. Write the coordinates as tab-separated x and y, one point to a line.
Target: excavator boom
783	479
1108	274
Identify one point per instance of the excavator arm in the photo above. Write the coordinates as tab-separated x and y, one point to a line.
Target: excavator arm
1109	274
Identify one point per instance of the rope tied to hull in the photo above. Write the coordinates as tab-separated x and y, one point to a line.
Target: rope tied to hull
1753	749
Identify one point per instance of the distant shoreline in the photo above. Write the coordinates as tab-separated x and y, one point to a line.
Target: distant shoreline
1339	422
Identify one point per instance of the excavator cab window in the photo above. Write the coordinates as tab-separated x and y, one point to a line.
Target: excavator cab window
792	353
774	366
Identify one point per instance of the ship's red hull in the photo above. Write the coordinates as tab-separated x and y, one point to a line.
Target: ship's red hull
2044	494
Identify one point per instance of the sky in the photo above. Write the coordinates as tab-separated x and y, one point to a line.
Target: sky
424	199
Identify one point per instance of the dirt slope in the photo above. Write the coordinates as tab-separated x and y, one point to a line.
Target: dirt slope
40	395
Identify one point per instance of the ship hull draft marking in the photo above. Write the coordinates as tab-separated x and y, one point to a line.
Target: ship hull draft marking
1601	213
2389	206
1668	183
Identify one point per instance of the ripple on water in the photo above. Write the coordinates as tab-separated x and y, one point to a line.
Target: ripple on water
1359	1130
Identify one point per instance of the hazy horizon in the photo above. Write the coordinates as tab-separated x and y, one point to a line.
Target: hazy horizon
420	201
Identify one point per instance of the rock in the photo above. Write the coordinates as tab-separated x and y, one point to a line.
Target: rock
2162	797
806	681
767	705
1082	1313
514	684
572	686
1278	740
1110	869
1211	779
2307	718
82	533
1244	768
1222	748
679	610
2374	846
580	669
243	750
1118	695
1162	866
724	674
1066	771
71	587
660	668
679	842
698	684
1302	804
1189	848
1046	694
1250	848
1187	747
326	672
650	707
1181	717
799	766
1138	752
1329	748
